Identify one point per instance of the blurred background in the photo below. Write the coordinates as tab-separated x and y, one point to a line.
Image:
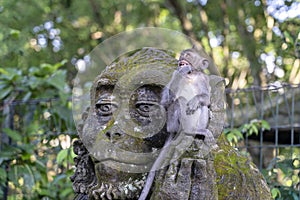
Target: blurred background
254	43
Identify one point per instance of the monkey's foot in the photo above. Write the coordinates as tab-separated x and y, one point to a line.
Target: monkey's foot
206	136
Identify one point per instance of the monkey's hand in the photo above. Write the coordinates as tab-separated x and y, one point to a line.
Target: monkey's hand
193	105
167	97
196	102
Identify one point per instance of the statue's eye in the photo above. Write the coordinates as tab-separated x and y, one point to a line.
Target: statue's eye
145	108
106	108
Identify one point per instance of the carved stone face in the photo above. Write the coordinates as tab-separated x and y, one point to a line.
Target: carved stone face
124	129
125	126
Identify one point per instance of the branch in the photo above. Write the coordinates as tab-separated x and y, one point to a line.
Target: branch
96	12
186	24
236	15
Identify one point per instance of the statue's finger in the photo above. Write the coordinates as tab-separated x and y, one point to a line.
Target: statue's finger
183	180
172	172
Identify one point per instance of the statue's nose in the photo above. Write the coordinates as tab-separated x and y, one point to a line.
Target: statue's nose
114	135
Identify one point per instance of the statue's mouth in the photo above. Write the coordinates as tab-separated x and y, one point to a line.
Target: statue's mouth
119	159
126	167
113	178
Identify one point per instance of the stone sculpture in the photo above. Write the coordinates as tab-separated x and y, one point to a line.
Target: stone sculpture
124	131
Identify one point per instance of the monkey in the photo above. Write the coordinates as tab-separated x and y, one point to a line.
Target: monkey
187	99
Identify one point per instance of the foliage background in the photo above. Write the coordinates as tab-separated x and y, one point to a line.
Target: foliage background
253	42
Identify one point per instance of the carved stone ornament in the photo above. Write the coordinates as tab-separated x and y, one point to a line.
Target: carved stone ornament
124	131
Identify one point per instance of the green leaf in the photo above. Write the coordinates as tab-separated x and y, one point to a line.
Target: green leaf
35	82
5	92
61	156
229	137
237	133
33	71
58	80
40	165
245	128
47	193
275	193
250	132
63	97
3	71
27	148
3	174
235	139
63	113
288	37
265	125
13	174
27	96
14	33
50	69
66	193
25	156
28	177
3	84
295	196
73	155
255	130
60	64
11	73
14	135
47	69
58	178
9	152
226	130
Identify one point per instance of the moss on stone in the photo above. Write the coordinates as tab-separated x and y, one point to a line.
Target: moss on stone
237	176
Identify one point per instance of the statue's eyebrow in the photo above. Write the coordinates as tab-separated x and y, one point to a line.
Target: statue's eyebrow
103	82
105	87
104	94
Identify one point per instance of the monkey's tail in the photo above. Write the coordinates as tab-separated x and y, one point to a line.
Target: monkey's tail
155	166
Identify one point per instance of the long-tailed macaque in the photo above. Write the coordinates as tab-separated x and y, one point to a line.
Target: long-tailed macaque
187	100
187	97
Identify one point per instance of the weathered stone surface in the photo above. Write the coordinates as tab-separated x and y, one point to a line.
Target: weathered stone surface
84	176
198	173
237	176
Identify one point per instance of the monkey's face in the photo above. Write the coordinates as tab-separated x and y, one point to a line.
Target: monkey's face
184	67
192	57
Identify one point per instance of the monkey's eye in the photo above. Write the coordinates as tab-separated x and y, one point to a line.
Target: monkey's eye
145	108
105	109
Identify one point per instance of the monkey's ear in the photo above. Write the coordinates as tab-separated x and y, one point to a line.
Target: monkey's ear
205	64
